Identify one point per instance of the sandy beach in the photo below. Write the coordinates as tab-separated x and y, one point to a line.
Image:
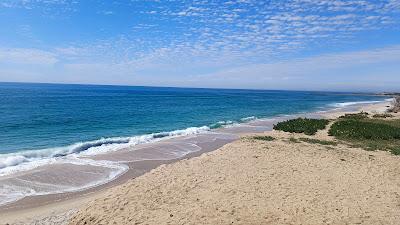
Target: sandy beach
256	182
246	182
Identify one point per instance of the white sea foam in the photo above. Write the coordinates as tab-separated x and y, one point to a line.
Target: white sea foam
26	160
12	163
10	193
345	104
247	119
230	123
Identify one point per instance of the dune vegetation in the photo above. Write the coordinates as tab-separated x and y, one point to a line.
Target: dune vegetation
370	132
302	125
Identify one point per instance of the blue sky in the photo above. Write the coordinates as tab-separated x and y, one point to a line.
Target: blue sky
298	44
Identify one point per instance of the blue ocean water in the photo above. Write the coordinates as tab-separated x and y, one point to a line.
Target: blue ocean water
43	116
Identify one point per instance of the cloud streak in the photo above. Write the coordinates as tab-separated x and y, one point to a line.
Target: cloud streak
319	73
27	56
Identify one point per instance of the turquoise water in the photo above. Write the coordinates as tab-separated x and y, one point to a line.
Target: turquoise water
44	118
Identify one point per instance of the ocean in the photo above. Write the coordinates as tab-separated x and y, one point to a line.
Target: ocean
45	124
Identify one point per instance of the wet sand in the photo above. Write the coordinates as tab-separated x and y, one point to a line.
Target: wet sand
38	208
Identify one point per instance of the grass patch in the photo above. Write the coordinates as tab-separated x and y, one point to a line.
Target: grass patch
395	150
392	122
302	125
369	134
264	138
360	129
293	140
355	116
316	141
382	115
369	145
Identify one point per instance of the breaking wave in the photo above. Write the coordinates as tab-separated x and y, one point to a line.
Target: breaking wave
24	160
345	104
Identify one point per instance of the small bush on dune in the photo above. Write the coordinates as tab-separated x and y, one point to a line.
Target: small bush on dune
384	115
316	141
355	116
395	150
293	140
302	125
264	138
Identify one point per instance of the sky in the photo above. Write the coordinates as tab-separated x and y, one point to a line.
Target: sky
335	45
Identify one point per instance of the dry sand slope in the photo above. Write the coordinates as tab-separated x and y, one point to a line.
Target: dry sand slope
259	182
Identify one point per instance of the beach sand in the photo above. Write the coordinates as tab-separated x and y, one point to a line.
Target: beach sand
247	182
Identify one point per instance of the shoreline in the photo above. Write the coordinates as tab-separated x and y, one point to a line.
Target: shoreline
276	179
33	205
244	125
30	207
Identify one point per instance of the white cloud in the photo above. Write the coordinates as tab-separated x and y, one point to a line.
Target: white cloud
248	30
316	70
363	70
27	56
107	12
28	4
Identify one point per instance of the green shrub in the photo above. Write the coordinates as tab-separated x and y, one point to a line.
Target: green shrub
293	140
383	115
316	141
395	150
302	125
370	134
359	129
355	116
264	138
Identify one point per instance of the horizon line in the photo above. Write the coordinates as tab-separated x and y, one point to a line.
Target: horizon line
189	87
